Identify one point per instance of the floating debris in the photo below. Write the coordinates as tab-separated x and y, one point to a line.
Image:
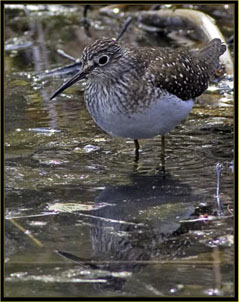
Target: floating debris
70	207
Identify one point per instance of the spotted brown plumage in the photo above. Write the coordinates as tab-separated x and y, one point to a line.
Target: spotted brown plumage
182	72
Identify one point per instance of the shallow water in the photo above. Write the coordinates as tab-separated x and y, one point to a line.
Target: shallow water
82	217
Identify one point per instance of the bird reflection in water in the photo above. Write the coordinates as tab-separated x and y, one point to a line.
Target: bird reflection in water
130	231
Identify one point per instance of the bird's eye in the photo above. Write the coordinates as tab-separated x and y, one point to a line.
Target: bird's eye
103	60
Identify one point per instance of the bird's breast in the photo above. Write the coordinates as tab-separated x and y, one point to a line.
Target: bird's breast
117	114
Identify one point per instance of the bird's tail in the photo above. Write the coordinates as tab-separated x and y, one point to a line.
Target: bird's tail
210	54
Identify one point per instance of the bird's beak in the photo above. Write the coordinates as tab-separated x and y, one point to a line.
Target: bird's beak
77	77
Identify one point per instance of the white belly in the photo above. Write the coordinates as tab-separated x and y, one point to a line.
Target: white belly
159	118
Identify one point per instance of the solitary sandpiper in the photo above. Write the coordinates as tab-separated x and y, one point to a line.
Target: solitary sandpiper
138	93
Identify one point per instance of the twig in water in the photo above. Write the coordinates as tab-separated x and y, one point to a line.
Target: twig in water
65	55
28	233
230	40
217	268
72	68
219	204
125	26
85	22
229	210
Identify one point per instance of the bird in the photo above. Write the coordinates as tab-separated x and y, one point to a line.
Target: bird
141	92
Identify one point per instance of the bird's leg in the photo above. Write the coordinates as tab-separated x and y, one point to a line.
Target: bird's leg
163	152
136	143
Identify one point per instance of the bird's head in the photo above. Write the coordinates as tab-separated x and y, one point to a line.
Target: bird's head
97	63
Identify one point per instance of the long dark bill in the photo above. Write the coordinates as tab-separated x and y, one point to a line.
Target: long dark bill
80	75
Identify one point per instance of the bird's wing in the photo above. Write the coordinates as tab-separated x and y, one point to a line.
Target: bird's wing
179	72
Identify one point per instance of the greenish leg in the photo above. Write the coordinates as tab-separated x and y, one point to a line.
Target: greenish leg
136	143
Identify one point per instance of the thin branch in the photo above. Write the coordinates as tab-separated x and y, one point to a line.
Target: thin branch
26	232
125	26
